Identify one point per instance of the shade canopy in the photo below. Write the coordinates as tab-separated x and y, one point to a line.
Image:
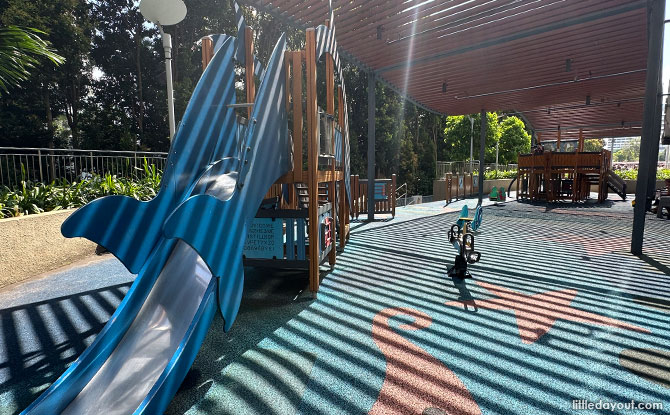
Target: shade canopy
565	64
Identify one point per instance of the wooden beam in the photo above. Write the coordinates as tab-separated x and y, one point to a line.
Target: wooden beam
312	159
249	67
287	82
322	176
207	52
297	115
580	145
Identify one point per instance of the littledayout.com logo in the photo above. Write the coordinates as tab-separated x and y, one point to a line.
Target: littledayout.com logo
578	404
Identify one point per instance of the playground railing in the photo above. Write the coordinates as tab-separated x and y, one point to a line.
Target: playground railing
460	186
384	196
280	238
49	164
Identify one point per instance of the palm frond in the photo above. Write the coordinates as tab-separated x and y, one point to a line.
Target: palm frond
21	50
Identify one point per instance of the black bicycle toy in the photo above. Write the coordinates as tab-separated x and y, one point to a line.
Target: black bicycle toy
461	236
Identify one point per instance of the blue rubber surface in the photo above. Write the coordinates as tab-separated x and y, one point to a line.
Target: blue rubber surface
289	354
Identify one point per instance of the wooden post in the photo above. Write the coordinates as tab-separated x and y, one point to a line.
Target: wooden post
558	140
249	67
312	159
518	179
447	190
575	174
207	52
287	84
580	145
548	184
297	116
355	190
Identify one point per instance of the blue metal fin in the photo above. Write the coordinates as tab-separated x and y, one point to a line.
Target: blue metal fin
193	222
230	293
125	226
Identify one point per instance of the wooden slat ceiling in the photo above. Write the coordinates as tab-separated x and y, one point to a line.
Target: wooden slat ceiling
542	58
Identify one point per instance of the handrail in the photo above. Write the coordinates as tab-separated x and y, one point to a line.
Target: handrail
376	180
76	150
404	195
46	164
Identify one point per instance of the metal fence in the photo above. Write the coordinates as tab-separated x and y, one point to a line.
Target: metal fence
46	165
463	167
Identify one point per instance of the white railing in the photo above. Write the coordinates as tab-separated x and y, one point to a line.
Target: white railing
399	195
46	165
455	167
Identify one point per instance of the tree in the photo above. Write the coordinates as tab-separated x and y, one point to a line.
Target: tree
130	95
66	25
20	52
514	139
630	152
594	144
457	137
408	165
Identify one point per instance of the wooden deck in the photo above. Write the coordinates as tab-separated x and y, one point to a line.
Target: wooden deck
554	176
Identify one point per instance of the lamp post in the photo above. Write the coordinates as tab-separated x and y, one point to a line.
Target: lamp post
167	47
165	12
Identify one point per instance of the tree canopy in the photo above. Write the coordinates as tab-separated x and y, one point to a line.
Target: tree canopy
20	51
629	152
110	91
510	135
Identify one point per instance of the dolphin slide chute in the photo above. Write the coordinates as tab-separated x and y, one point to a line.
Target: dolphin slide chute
185	245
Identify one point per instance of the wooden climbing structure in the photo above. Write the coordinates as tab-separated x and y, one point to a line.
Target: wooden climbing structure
306	212
554	176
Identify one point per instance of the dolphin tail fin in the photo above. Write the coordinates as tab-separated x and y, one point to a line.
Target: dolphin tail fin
123	225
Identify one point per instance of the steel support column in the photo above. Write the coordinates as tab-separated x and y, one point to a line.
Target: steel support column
655	137
482	147
372	78
649	154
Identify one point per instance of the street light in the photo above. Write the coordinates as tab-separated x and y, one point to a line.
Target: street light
165	12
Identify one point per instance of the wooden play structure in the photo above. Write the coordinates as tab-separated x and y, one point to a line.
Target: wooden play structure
385	196
554	176
306	212
460	186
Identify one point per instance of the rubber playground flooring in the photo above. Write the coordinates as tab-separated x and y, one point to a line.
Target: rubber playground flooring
558	311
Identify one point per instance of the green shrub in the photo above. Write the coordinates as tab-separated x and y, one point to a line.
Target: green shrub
493	175
631	174
34	197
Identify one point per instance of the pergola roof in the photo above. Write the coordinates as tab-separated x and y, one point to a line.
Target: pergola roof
543	58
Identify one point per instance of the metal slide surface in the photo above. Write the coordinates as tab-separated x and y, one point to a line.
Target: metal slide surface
123	381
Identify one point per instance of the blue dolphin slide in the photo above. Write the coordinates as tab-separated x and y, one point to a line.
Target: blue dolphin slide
185	245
